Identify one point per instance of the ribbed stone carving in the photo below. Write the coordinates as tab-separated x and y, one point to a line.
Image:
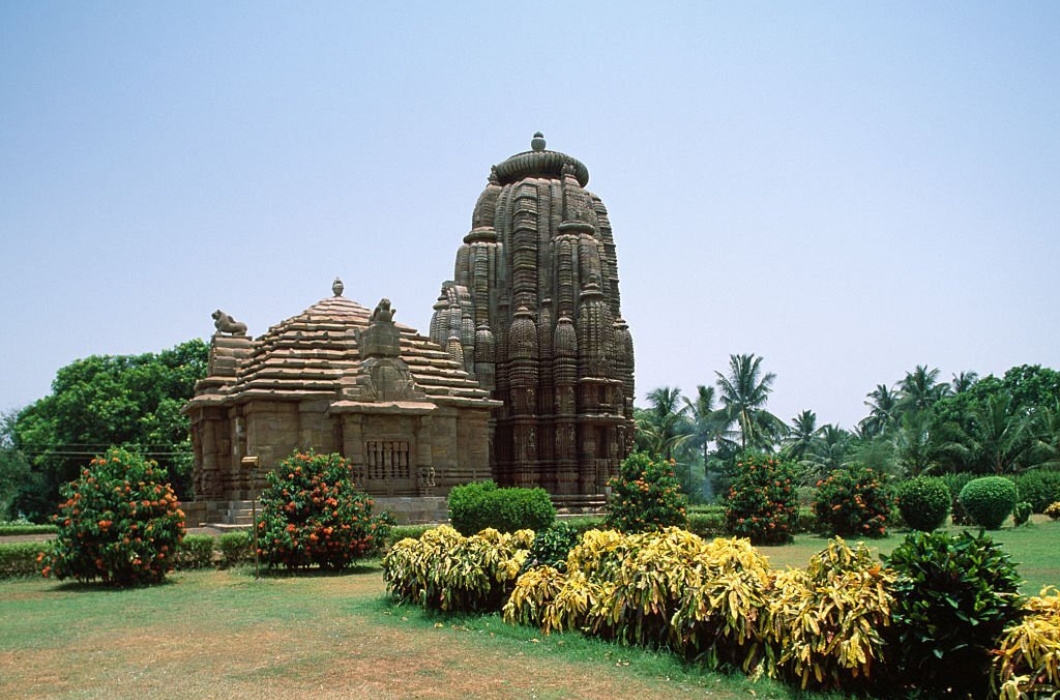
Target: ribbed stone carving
534	300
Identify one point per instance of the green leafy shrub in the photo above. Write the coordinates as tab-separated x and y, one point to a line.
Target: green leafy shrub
1027	663
312	514
807	521
954	596
1039	487
1053	511
552	546
21	559
762	503
989	500
646	495
477	506
443	570
25	528
853	502
235	548
825	623
120	523
400	532
1022	513
707	522
956	482
924	502
195	552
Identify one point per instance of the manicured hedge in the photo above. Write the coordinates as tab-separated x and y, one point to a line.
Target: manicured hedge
12	529
20	559
480	505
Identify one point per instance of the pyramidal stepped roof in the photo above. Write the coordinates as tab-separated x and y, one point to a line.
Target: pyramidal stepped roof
318	355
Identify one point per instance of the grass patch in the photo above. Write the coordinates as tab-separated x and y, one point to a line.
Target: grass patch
226	634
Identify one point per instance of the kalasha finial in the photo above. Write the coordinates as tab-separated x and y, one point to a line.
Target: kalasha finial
337	286
538	142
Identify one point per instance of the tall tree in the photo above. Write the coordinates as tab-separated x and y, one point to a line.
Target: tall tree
663	427
883	412
744	394
99	401
964	381
803	436
920	389
706	421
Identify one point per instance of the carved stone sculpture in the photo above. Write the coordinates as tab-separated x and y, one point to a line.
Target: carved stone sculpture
533	313
226	324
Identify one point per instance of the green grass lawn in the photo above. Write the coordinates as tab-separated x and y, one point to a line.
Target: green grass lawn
223	634
1035	549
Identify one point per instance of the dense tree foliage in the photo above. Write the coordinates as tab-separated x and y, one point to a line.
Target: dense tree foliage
129	400
918	425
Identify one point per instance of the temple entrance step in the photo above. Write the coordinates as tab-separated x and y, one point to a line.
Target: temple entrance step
232	514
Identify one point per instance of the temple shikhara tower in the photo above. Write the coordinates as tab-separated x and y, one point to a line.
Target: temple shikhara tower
533	313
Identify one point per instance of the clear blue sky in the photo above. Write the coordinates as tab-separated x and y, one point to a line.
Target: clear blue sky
846	189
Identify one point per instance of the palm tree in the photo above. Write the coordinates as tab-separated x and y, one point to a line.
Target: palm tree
803	436
1002	433
663	427
707	422
916	449
744	393
964	381
920	389
883	412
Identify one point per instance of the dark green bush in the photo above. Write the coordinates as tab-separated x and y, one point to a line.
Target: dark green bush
853	502
480	505
924	502
762	504
955	482
1022	513
21	559
551	546
707	521
1039	488
807	521
11	529
953	598
312	514
400	532
195	552
235	547
645	496
989	500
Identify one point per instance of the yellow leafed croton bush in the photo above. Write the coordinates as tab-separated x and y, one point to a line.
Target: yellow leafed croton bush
1028	658
830	626
446	571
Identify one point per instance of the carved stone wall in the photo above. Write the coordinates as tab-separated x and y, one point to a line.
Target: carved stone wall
338	379
533	312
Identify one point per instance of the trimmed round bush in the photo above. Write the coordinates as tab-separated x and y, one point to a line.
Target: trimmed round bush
924	502
763	504
853	502
480	505
120	523
1039	487
989	500
646	496
311	514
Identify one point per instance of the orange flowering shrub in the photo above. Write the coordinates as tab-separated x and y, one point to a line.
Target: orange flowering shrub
645	496
312	514
853	502
120	523
762	504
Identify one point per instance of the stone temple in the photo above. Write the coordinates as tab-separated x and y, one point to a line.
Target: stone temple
526	378
533	313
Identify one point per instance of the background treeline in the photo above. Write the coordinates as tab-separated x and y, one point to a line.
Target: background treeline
918	425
